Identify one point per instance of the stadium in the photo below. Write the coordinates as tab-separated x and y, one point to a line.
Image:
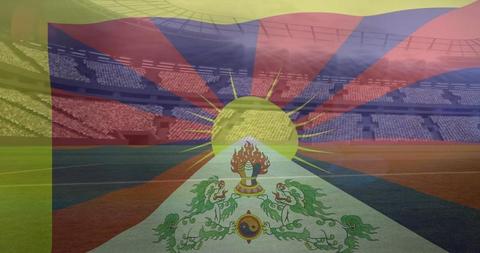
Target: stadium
174	126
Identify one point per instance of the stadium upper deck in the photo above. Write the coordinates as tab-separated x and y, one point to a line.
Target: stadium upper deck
98	76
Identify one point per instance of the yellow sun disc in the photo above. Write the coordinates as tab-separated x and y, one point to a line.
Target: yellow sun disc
258	118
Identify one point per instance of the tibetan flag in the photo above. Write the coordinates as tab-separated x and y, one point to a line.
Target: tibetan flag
214	126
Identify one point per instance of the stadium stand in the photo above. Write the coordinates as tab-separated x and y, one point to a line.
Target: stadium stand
458	128
242	85
45	99
9	129
467	97
39	126
60	132
292	88
9	57
108	117
183	130
209	77
26	102
73	70
424	96
186	113
65	67
346	127
117	75
182	82
157	109
34	52
321	89
262	85
82	131
356	93
400	127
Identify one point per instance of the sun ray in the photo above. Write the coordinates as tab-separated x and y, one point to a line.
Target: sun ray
308	121
200	160
196	147
201	116
198	131
233	86
300	107
210	103
152	40
314	134
310	164
274	83
313	150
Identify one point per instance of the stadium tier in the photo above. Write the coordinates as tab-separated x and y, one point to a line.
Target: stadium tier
424	96
400	127
10	57
117	84
467	97
458	128
344	128
65	67
116	75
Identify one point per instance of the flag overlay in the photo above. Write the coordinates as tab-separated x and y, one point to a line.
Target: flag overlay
233	127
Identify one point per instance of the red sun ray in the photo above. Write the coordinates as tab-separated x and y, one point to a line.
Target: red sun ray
114	212
418	57
431	172
111	118
138	40
386	141
299	43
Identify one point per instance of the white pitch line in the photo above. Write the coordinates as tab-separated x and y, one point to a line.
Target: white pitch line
407	174
56	168
238	178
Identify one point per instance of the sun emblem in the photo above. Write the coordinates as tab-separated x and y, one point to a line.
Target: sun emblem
257	118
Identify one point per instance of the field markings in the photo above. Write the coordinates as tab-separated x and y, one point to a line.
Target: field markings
55	168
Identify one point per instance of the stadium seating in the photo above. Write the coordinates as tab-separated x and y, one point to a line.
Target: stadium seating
424	96
47	99
182	82
468	97
71	121
186	114
105	116
64	121
322	90
209	78
157	109
12	130
116	75
346	127
293	88
40	126
262	85
65	67
25	101
40	56
37	108
9	57
458	128
358	93
400	127
180	130
61	132
242	85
